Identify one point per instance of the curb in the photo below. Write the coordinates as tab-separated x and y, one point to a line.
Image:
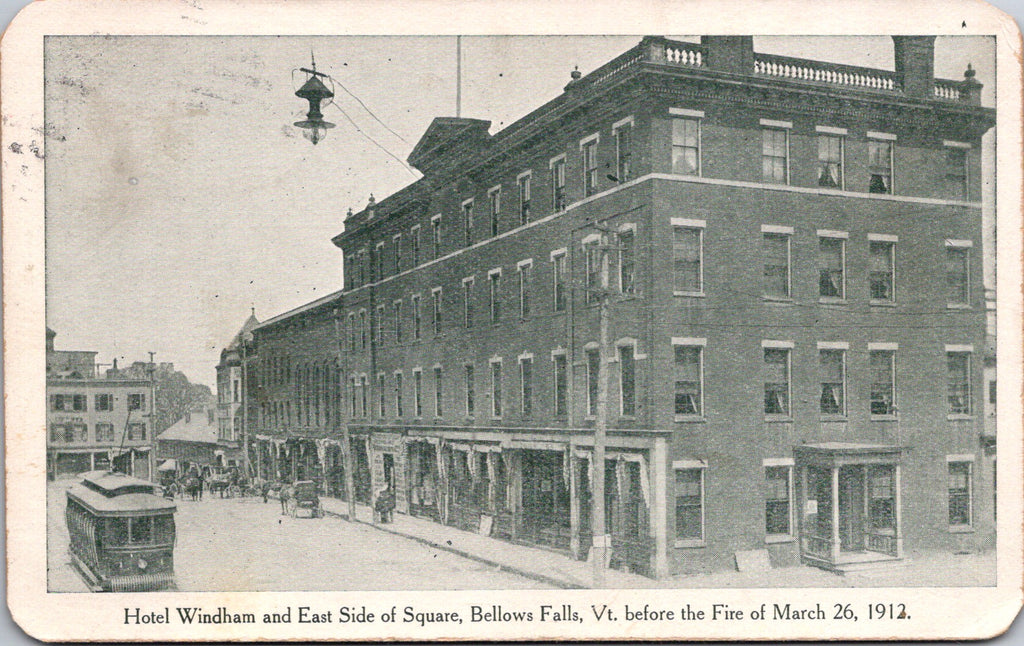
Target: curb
541	578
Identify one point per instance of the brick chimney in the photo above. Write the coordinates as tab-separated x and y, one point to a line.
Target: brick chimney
915	64
734	54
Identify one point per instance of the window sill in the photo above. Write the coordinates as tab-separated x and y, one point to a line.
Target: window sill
777	300
884	418
831	300
690	543
778	418
689	418
959	417
958	306
826	417
689	294
779	538
882	303
961	529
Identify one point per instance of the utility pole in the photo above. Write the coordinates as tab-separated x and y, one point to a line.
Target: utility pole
245	416
601	539
152	418
346	454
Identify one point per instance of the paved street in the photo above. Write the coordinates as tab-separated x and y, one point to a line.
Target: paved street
244	544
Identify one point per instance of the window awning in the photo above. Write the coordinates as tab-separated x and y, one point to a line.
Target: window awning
836	454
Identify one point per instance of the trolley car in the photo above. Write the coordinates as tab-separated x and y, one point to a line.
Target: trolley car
122	533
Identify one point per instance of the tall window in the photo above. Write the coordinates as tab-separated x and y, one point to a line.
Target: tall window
592	280
496	389
105	402
104	432
883	382
589	150
435	296
470	390
831	262
627	381
399	409
379	260
958	371
378	325
364	331
524	290
689	505
958	265
558	184
353	396
687	243
417	320
882	271
417	393
776	250
438	393
467	302
627	261
415	236
778	517
526	385
832	370
688	379
776	381
137	401
353	333
136	431
467	220
775	155
957	170
959	494
830	161
363	394
435	235
593	374
382	396
524	182
494	208
559	279
880	154
686	146
561	385
397	313
624	152
494	291
397	240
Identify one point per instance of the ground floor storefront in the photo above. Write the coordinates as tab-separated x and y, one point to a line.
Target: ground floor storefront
136	461
837	506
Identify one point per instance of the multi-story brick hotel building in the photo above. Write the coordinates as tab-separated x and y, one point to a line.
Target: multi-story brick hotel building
794	345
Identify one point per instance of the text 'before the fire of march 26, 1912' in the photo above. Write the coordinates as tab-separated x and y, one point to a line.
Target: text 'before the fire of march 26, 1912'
554	613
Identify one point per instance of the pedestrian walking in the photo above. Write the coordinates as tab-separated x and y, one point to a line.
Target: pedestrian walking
385	505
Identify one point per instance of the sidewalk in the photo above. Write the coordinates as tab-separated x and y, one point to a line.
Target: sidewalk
541	565
925	568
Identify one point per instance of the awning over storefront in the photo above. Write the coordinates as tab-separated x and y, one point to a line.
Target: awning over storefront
168	465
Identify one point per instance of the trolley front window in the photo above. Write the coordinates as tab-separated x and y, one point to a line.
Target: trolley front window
145	530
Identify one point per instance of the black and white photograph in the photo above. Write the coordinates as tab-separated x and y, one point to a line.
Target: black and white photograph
538	324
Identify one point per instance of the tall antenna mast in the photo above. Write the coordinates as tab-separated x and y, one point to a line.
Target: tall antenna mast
458	76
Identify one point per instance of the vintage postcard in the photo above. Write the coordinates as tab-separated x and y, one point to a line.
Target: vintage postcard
505	321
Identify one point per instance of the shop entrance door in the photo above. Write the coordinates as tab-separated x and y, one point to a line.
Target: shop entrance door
851	508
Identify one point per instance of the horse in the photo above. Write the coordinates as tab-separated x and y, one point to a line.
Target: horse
193	488
286	495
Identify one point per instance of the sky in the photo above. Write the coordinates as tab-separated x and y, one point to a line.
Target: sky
179	195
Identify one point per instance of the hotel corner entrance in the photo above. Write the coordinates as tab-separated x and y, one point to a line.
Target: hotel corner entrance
850	505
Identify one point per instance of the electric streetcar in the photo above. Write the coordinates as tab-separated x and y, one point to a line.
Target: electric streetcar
122	533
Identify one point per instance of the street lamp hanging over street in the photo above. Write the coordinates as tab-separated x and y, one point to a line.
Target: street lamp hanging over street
314	128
